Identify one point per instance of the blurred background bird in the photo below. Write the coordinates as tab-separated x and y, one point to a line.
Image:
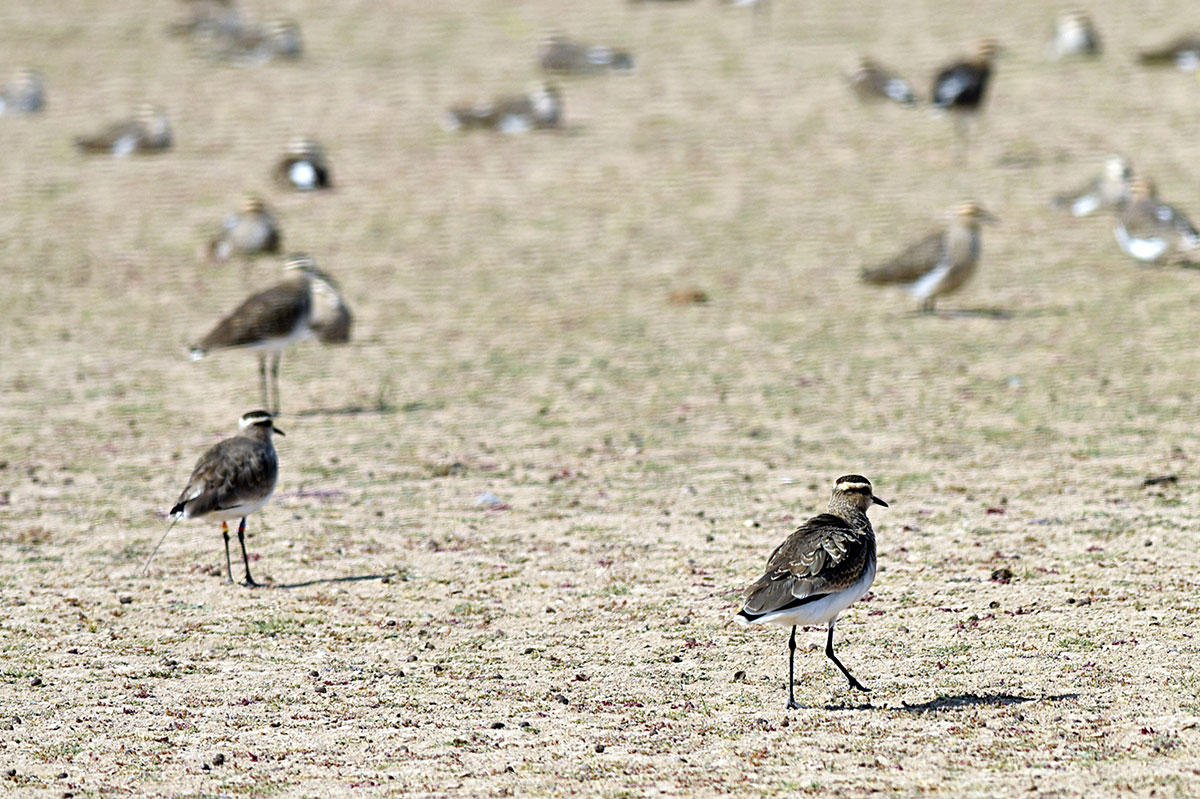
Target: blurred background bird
147	132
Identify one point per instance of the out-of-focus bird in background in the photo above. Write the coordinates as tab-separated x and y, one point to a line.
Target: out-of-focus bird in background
251	230
1074	36
23	94
1107	191
561	55
872	81
148	132
306	303
939	263
1182	52
303	166
539	109
1151	231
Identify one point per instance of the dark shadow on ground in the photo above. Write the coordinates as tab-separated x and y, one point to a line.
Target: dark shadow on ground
980	700
350	410
971	313
332	580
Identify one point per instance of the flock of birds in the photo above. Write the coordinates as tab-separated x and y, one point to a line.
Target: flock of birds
830	560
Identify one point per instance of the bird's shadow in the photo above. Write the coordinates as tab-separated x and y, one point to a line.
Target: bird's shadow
959	701
956	702
333	580
350	410
967	313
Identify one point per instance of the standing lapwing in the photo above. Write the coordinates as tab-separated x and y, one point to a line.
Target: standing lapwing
560	54
539	109
1183	52
305	304
1107	191
303	166
208	19
249	231
23	94
1151	231
278	39
148	132
230	481
818	571
938	264
960	87
873	82
1074	37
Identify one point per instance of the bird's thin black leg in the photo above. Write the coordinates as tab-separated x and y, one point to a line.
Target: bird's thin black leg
228	565
829	653
262	380
792	670
249	581
275	380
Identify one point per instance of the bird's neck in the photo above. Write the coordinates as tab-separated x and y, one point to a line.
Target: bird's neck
851	512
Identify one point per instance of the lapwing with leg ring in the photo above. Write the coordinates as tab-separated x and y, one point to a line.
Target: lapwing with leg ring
307	303
818	571
231	481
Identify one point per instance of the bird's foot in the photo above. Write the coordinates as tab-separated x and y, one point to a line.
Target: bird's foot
250	582
856	684
793	704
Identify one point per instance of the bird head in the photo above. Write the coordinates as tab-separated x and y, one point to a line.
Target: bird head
856	491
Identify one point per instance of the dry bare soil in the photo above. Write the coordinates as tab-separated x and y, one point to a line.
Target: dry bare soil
1031	631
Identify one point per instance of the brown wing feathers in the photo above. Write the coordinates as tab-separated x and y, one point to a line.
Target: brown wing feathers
821	557
273	313
232	473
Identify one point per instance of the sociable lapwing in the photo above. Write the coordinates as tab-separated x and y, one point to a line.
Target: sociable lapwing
1151	231
23	94
148	132
304	167
230	481
307	303
818	571
561	55
539	109
938	264
1107	191
1074	37
872	81
251	230
1183	52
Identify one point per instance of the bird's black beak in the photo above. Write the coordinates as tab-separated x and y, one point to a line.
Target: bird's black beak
278	431
878	501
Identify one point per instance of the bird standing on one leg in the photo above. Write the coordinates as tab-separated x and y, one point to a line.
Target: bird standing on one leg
230	481
819	571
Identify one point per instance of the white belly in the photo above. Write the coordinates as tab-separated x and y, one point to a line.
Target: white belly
821	612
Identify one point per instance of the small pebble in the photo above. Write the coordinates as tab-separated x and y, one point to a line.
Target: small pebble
314	673
12	772
218	759
205	767
522	724
599	748
62	775
35	682
561	699
739	675
125	600
676	659
321	689
497	725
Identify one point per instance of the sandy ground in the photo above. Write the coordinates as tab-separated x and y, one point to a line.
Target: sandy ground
1031	631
